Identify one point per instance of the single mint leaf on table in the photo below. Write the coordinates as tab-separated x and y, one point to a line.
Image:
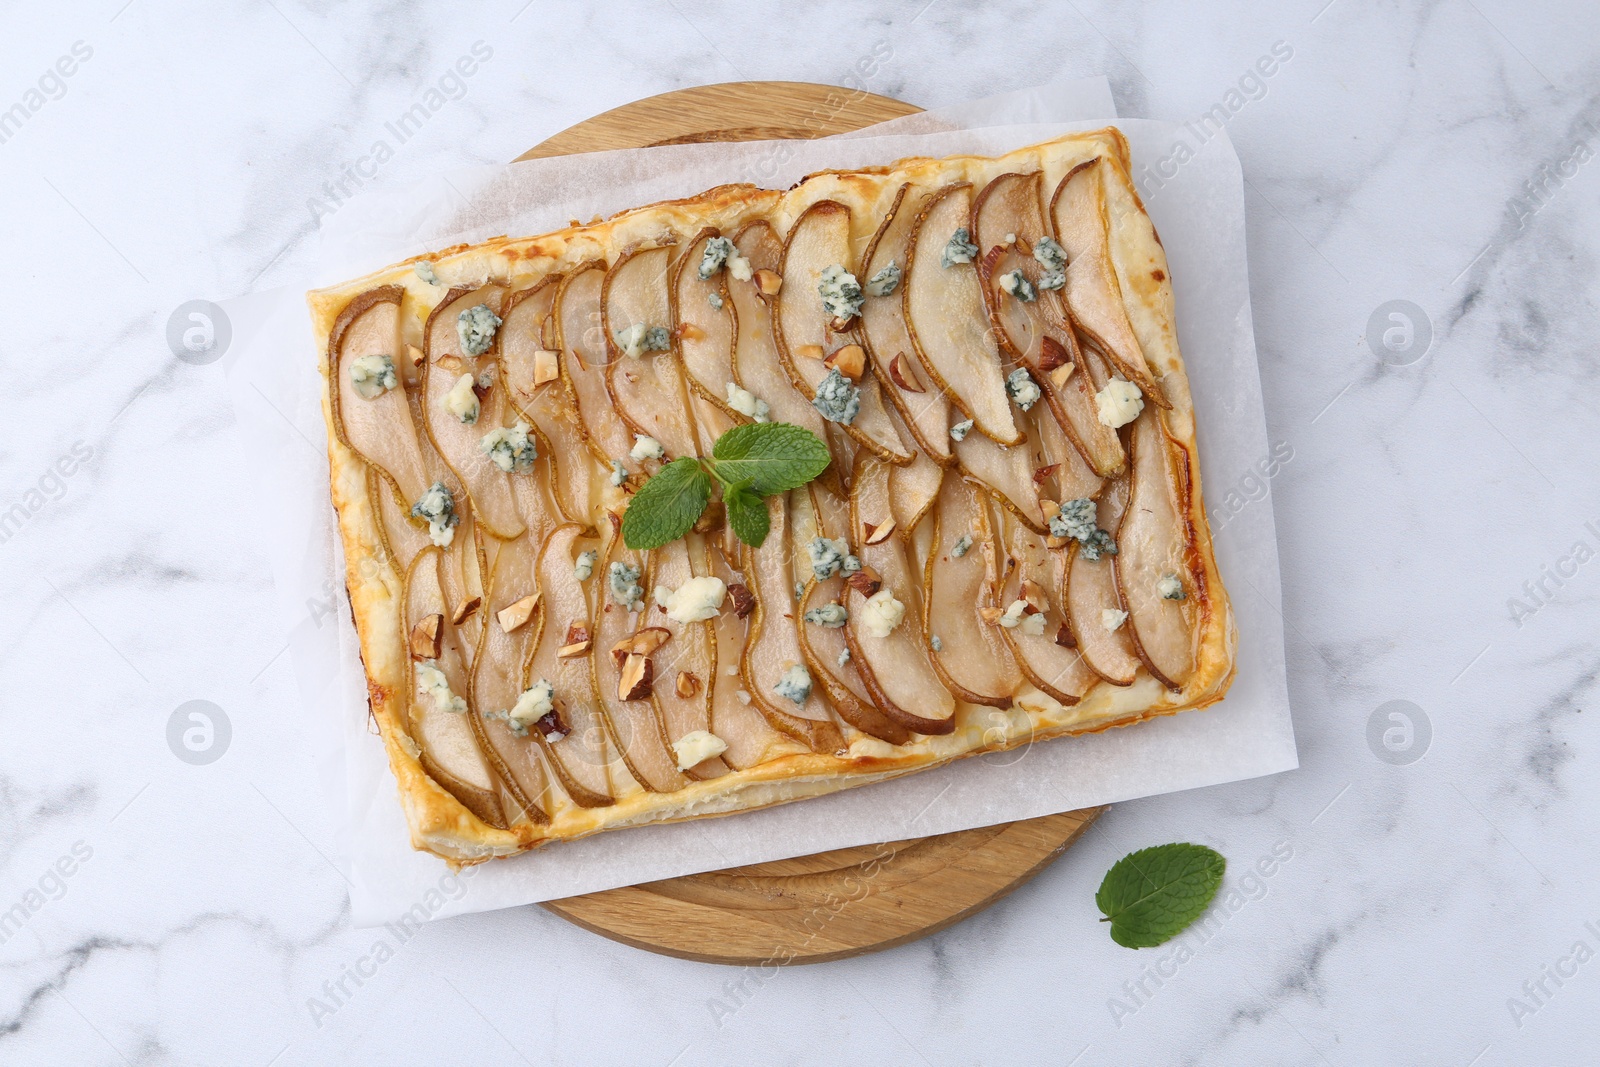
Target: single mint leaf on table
667	505
1152	895
747	514
772	457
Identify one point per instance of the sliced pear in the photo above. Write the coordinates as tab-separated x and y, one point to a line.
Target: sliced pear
1035	573
751	739
973	660
773	646
635	725
581	340
945	318
548	405
895	668
820	238
450	751
648	390
581	759
923	407
1154	541
379	430
755	355
1078	213
1091	589
458	442
691	648
1007	475
1070	476
463	570
913	489
403	537
705	330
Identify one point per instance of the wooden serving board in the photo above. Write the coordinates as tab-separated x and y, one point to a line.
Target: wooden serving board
852	900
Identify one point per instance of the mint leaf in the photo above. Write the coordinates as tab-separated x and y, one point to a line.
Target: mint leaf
1152	895
771	457
747	514
667	505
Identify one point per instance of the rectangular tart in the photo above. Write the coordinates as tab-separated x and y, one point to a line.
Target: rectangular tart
1007	545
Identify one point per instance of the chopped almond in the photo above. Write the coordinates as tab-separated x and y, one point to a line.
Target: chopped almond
1042	473
577	643
546	366
768	282
991	614
876	535
465	609
637	674
689	331
687	685
425	637
744	601
514	616
414	354
451	365
850	361
1059	376
1034	594
811	352
1052	541
1052	354
906	378
1064	637
865	581
641	642
840	325
552	726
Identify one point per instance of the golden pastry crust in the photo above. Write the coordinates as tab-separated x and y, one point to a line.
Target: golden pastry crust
442	824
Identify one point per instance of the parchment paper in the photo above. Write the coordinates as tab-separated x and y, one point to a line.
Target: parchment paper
271	365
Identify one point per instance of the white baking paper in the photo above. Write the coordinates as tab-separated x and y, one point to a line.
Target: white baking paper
1198	208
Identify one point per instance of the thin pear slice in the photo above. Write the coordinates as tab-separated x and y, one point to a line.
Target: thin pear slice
1078	213
379	430
402	536
647	390
824	645
584	355
635	725
895	668
946	320
922	405
581	759
1091	589
488	486
819	239
913	489
750	738
1007	474
1055	669
549	406
704	327
973	659
774	644
1070	476
690	650
462	571
1154	541
447	740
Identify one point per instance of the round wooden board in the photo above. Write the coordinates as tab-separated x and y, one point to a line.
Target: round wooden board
852	900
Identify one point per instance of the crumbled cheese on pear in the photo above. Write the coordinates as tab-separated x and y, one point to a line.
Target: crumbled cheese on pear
829	616
1017	284
840	292
641	337
885	281
1112	619
511	448
461	401
1119	403
1170	587
697	746
838	399
537	701
623	581
717	251
829	557
619	473
739	268
1017	618
959	249
696	600
475	329
795	684
747	403
646	447
432	683
959	431
881	613
438	508
424	270
372	376
1024	391
960	548
583	569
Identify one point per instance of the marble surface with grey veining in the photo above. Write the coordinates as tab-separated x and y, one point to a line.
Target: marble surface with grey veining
1424	238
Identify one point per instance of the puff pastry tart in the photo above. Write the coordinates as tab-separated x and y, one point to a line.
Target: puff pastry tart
1007	545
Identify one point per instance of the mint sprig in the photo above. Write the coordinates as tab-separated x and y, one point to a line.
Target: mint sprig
1152	895
750	462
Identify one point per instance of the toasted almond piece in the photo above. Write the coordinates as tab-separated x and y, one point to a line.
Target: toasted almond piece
744	601
690	331
1044	472
414	354
811	352
577	643
1034	594
516	615
1052	541
546	366
850	361
865	581
991	614
449	364
906	378
552	726
768	282
876	535
642	642
841	325
1059	376
425	637
465	609
1052	354
1064	637
711	518
637	674
687	685
1050	508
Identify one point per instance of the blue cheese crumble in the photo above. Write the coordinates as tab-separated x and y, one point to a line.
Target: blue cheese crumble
1076	520
959	249
844	657
640	338
881	613
537	701
715	300
1119	403
885	281
795	684
510	448
959	431
1018	285
829	557
623	580
837	398
717	251
646	447
1053	258
372	376
1170	587
432	683
963	543
1024	391
583	569
936	644
424	270
438	509
619	473
829	616
840	292
461	401
747	403
475	327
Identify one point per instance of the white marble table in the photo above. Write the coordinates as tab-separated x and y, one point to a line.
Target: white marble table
1436	504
